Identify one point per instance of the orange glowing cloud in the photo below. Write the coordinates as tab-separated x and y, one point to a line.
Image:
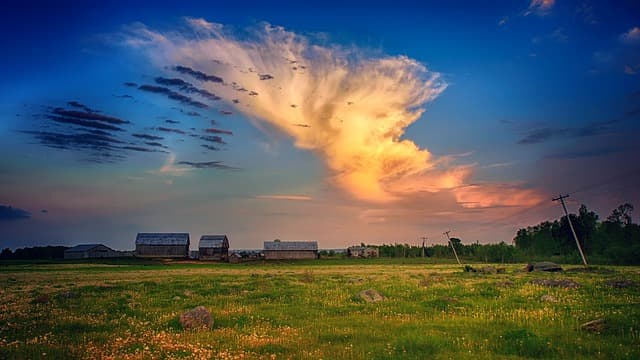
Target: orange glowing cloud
349	107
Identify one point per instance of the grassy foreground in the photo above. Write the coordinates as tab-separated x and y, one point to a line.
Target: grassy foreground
311	310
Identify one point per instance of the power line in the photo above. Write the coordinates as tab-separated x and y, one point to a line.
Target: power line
453	247
573	231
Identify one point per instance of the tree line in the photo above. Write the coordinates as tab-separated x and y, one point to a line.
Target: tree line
615	241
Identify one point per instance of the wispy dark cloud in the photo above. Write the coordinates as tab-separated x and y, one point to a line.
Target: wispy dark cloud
541	135
130	84
156	144
79	105
173	95
148	137
215	139
90	115
8	213
198	74
95	136
140	149
219	131
169	121
187	87
177	131
209	147
208	165
84	123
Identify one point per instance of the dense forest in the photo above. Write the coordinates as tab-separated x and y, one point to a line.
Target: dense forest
616	240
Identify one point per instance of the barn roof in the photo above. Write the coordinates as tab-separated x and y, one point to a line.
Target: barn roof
162	239
84	247
213	241
291	245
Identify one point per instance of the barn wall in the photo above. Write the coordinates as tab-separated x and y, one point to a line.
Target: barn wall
170	251
217	254
75	255
97	254
289	254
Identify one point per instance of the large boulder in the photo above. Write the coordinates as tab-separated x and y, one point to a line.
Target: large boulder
371	295
543	266
197	318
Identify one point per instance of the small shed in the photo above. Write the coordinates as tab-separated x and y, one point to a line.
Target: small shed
162	245
214	247
362	251
281	250
90	251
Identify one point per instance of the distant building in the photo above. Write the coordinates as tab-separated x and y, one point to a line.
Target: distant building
162	245
362	252
280	250
214	247
90	251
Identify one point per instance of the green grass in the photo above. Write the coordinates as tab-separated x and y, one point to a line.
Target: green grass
311	310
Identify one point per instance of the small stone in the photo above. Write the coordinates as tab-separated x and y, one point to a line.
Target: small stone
69	295
548	298
176	298
488	270
620	284
371	295
597	325
197	318
42	299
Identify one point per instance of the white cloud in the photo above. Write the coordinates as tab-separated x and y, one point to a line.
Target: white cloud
539	7
631	37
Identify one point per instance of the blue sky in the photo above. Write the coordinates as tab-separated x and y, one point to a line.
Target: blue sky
528	99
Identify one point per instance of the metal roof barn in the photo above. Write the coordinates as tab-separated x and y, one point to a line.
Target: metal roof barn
171	245
90	251
290	250
214	247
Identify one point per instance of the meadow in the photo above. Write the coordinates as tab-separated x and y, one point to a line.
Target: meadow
312	310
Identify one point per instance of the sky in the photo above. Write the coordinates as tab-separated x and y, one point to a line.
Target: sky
345	124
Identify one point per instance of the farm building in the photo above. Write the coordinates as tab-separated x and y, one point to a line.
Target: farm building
362	251
90	251
280	250
214	247
162	245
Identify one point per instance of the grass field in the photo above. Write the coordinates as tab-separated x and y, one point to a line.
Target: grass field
311	310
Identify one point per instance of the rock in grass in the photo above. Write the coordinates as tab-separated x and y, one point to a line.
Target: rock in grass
197	318
621	284
42	299
597	325
371	295
548	298
543	266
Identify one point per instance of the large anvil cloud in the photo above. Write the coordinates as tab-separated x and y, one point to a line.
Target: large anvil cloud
348	106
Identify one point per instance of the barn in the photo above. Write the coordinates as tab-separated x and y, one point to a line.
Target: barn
214	247
281	250
162	245
362	251
90	251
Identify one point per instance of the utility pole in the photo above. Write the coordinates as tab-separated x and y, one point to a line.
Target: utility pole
424	238
573	231
454	249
